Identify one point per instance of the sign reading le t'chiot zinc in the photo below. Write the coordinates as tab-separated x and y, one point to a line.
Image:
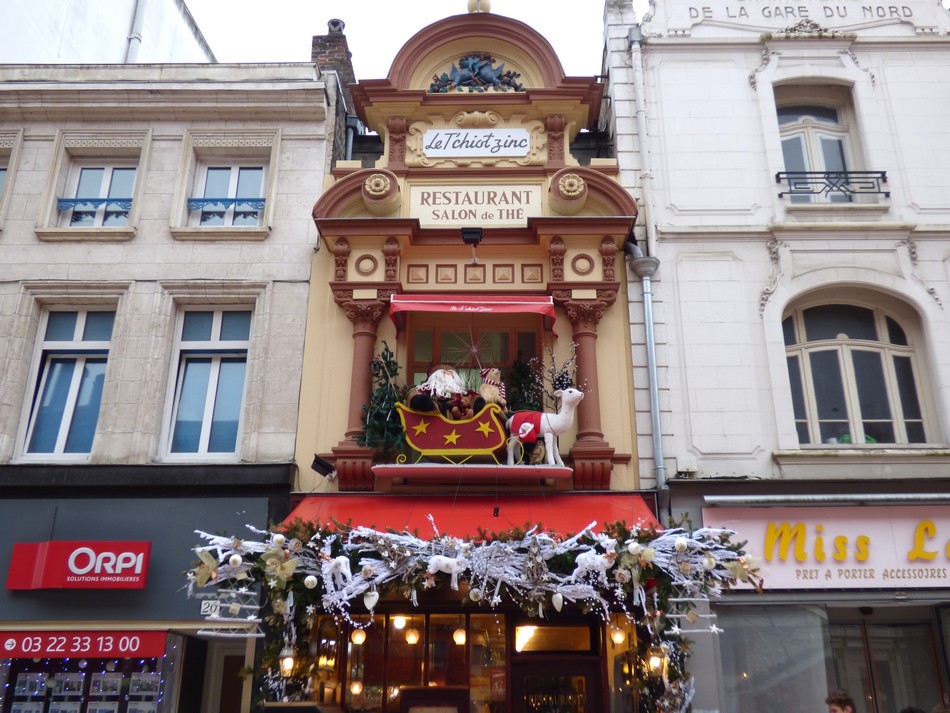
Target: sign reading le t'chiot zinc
842	547
476	143
486	206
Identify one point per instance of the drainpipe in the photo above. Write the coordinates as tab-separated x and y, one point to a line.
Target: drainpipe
645	267
635	41
135	34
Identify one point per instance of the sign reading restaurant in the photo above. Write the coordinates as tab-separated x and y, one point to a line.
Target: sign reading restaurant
842	547
452	206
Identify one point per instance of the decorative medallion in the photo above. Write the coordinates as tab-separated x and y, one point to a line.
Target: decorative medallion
377	185
571	185
582	264
476	73
366	265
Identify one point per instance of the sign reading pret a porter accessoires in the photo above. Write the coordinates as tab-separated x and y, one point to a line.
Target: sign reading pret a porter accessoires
444	206
61	564
843	547
88	644
476	143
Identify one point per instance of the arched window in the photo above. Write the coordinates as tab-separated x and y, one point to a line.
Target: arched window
854	376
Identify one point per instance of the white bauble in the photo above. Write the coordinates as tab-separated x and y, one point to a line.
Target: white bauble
634	548
279	540
680	544
235	561
310	582
557	601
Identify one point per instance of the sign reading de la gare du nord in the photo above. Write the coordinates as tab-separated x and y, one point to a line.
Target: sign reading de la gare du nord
454	206
827	12
868	547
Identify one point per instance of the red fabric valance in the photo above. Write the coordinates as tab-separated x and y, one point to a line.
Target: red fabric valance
472	304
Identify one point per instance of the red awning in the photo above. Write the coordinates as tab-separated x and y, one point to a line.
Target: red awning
463	515
471	304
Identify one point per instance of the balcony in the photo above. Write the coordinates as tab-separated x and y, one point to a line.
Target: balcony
830	187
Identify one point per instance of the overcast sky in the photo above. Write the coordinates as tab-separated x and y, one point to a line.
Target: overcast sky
281	30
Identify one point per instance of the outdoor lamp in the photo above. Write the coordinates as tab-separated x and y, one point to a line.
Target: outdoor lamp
618	636
458	636
286	658
472	236
356	688
655	662
322	466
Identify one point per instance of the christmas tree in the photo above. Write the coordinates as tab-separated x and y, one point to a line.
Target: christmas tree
382	428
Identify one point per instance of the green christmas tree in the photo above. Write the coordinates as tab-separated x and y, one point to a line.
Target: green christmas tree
382	428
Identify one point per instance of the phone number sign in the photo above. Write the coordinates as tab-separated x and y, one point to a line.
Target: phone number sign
88	644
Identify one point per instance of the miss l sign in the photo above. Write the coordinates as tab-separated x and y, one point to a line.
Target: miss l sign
61	564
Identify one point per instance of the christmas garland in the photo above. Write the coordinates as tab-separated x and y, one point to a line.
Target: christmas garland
658	578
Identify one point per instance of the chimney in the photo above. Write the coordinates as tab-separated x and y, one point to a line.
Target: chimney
330	51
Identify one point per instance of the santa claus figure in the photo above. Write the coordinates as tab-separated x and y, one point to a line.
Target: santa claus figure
443	390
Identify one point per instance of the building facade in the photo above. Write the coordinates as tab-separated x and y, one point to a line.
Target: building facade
124	32
156	237
788	160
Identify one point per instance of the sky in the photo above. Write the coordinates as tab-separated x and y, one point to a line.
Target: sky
281	30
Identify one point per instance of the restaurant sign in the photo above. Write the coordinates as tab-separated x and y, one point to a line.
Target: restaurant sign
843	547
452	206
476	143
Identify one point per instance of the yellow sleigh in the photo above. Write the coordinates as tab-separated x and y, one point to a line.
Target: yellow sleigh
431	434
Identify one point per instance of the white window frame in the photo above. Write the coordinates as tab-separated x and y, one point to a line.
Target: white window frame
109	168
44	353
9	153
845	348
219	148
235	167
216	349
74	149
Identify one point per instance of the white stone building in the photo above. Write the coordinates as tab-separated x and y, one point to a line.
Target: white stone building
100	31
156	238
790	162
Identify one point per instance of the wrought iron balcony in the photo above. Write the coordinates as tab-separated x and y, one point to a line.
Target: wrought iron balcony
87	204
832	186
218	203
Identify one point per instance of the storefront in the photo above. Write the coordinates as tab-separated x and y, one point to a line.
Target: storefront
857	597
95	619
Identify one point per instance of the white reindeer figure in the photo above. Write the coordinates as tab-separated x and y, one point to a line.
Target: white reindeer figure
531	425
593	561
448	565
339	569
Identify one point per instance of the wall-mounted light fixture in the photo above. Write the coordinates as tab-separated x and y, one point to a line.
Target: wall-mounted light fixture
472	236
323	467
655	662
287	659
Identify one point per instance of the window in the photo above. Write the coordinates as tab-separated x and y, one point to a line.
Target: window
820	147
854	376
227	181
68	386
231	195
95	185
209	384
472	344
99	196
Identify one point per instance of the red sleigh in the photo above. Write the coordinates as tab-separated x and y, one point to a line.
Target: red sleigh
431	434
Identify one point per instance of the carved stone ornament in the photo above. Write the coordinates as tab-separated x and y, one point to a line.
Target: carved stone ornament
568	193
476	72
341	254
476	119
608	252
392	251
381	194
556	252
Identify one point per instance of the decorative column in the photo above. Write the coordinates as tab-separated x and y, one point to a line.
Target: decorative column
353	461
592	455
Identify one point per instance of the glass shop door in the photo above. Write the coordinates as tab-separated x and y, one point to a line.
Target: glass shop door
558	685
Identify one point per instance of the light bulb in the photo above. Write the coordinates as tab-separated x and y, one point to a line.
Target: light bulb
618	636
412	636
356	688
358	636
458	636
399	622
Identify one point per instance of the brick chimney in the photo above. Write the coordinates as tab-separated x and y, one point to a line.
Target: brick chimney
330	51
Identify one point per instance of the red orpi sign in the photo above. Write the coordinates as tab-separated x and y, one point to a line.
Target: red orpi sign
61	564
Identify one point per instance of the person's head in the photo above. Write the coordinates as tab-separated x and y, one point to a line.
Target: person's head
839	702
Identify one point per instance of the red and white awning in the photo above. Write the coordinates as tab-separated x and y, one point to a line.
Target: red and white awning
472	304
